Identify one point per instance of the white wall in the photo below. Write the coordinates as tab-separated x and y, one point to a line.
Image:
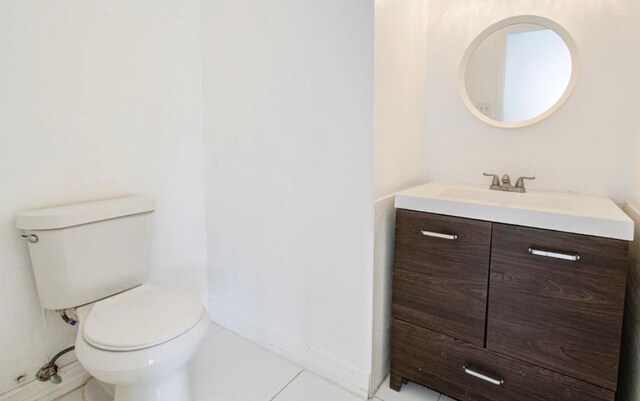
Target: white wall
586	146
400	64
399	120
97	99
634	182
288	153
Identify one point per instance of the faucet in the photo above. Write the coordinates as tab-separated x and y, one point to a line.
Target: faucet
504	184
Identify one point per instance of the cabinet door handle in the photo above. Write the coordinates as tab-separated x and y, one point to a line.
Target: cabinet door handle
555	255
497	381
450	237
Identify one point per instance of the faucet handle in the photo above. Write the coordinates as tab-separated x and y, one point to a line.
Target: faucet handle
520	181
496	178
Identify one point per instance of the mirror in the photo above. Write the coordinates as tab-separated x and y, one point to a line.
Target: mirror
518	72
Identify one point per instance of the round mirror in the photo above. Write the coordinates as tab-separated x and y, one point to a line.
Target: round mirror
518	71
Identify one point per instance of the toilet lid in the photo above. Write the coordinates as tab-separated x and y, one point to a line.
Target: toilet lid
141	317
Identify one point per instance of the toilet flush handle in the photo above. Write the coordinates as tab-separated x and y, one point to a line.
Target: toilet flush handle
30	237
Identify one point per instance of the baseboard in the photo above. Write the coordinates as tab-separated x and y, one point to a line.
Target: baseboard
73	377
332	369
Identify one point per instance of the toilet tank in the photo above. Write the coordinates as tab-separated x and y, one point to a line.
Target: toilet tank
88	251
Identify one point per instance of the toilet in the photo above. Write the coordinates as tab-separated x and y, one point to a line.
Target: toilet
93	258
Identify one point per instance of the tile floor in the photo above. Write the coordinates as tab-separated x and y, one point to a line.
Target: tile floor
266	376
75	395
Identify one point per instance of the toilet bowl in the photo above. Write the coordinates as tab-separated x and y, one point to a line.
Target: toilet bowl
140	341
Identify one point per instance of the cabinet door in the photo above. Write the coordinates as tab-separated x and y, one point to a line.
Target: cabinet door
441	274
557	300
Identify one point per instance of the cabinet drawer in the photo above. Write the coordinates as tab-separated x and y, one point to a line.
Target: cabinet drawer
441	273
438	362
560	310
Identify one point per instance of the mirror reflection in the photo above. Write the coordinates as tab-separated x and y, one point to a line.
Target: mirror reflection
518	73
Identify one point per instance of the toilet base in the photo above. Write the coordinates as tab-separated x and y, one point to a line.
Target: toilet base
168	388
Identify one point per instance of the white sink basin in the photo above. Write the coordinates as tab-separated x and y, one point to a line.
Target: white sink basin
508	199
581	214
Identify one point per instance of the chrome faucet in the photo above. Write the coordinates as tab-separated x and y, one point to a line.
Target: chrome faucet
505	184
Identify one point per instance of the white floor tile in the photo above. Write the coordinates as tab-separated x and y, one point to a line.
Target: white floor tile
409	392
229	368
309	387
213	329
75	395
445	398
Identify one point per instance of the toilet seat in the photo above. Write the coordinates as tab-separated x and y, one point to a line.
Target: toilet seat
141	317
137	366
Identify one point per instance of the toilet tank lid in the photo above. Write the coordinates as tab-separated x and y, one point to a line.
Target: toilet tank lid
82	213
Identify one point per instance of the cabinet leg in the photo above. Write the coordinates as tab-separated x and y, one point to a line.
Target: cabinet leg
395	382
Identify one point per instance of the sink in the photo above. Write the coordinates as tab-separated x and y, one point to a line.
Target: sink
580	214
508	199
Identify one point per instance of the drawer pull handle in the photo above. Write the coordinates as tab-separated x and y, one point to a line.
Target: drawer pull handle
450	237
499	381
555	255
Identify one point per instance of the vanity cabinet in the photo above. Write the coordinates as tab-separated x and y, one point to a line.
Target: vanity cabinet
488	311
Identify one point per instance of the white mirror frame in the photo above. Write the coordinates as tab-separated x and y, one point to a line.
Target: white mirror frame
521	19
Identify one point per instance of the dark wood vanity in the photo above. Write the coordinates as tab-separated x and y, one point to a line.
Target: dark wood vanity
496	312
